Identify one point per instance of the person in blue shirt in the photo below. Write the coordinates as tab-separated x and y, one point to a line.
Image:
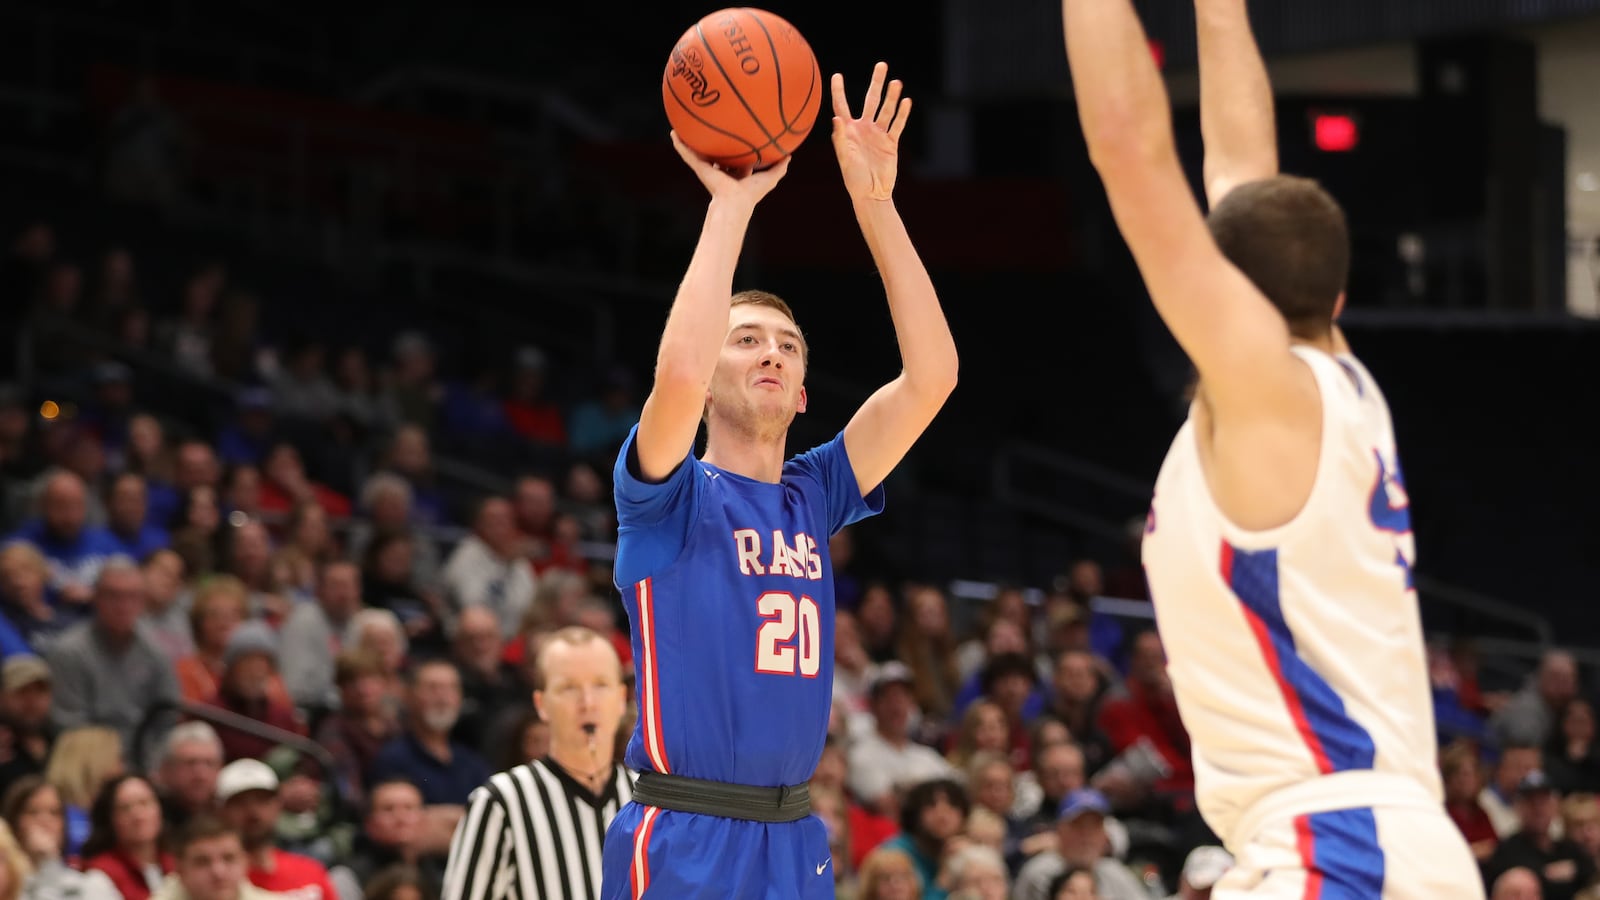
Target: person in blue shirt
723	560
128	521
74	549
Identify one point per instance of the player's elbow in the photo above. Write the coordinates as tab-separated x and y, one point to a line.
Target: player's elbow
936	383
1123	142
680	375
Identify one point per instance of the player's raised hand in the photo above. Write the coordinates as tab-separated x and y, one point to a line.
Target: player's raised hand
869	146
738	185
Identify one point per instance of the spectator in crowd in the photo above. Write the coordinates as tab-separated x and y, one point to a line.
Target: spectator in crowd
1517	884
488	569
445	770
411	458
1458	764
186	773
928	646
1081	843
386	499
1149	711
1003	637
25	700
491	688
74	548
414	389
125	837
33	811
220	606
128	520
876	618
991	780
212	864
391	835
356	733
1572	758
1499	797
247	556
247	791
853	670
984	729
166	617
977	873
15	867
313	635
888	756
1009	682
285	485
527	739
1058	771
302	389
587	502
600	425
527	410
931	816
386	583
1580	822
398	883
195	530
24	599
1075	700
379	632
1562	866
148	455
246	439
1530	717
1074	884
82	760
308	545
241	491
249	668
107	671
889	874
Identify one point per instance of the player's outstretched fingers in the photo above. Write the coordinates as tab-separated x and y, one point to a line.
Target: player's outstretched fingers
869	110
891	103
841	105
900	118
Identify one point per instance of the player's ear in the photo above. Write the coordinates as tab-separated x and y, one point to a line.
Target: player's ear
802	407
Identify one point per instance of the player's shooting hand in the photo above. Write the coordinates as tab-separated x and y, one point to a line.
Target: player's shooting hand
869	146
738	185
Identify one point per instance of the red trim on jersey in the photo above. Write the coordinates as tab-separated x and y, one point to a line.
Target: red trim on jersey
650	680
1307	844
1269	653
640	877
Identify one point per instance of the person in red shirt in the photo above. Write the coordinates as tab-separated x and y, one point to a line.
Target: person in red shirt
1463	779
247	792
249	667
125	837
1149	711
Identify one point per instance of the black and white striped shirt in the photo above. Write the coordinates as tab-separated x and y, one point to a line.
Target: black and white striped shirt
533	832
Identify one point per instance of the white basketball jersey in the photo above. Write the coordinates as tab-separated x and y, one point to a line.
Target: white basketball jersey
1297	652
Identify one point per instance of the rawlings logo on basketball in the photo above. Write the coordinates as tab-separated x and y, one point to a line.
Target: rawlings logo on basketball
740	42
687	65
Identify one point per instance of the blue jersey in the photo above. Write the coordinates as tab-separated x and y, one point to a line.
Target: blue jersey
729	588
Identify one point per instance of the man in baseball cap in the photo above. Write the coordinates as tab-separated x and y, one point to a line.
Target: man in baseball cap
247	792
1082	844
25	697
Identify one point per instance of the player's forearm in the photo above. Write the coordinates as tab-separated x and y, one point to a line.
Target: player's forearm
1122	103
1236	109
927	349
698	322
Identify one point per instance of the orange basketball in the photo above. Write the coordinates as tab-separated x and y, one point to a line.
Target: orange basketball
742	88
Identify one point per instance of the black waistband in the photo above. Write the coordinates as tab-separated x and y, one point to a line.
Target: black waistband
716	798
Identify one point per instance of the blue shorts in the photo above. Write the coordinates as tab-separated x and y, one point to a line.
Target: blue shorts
656	853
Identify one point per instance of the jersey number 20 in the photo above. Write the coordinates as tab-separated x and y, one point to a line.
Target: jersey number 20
790	640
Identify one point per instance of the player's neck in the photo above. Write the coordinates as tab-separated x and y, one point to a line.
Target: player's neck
1329	343
754	457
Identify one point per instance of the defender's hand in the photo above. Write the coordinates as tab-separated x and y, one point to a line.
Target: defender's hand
869	146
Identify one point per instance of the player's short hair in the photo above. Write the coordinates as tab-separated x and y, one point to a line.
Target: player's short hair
1289	237
773	301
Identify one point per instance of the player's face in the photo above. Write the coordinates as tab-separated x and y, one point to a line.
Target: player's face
583	692
759	381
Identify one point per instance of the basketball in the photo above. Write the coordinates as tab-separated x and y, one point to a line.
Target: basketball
742	88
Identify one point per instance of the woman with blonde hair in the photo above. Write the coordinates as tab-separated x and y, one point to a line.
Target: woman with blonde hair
889	874
15	867
928	646
24	575
983	730
81	762
220	604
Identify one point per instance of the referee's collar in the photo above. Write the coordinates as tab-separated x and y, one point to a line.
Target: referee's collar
578	789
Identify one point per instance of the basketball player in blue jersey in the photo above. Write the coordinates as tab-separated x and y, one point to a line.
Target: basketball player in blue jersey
723	560
1279	546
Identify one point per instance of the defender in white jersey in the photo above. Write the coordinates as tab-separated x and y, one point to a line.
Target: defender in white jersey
1279	547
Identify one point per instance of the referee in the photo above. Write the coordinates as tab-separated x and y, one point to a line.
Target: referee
537	831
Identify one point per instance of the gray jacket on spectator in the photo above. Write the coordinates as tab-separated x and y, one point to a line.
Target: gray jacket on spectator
1524	721
307	645
96	684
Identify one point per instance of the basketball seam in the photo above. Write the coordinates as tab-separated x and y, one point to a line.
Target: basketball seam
686	108
777	69
816	82
734	87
